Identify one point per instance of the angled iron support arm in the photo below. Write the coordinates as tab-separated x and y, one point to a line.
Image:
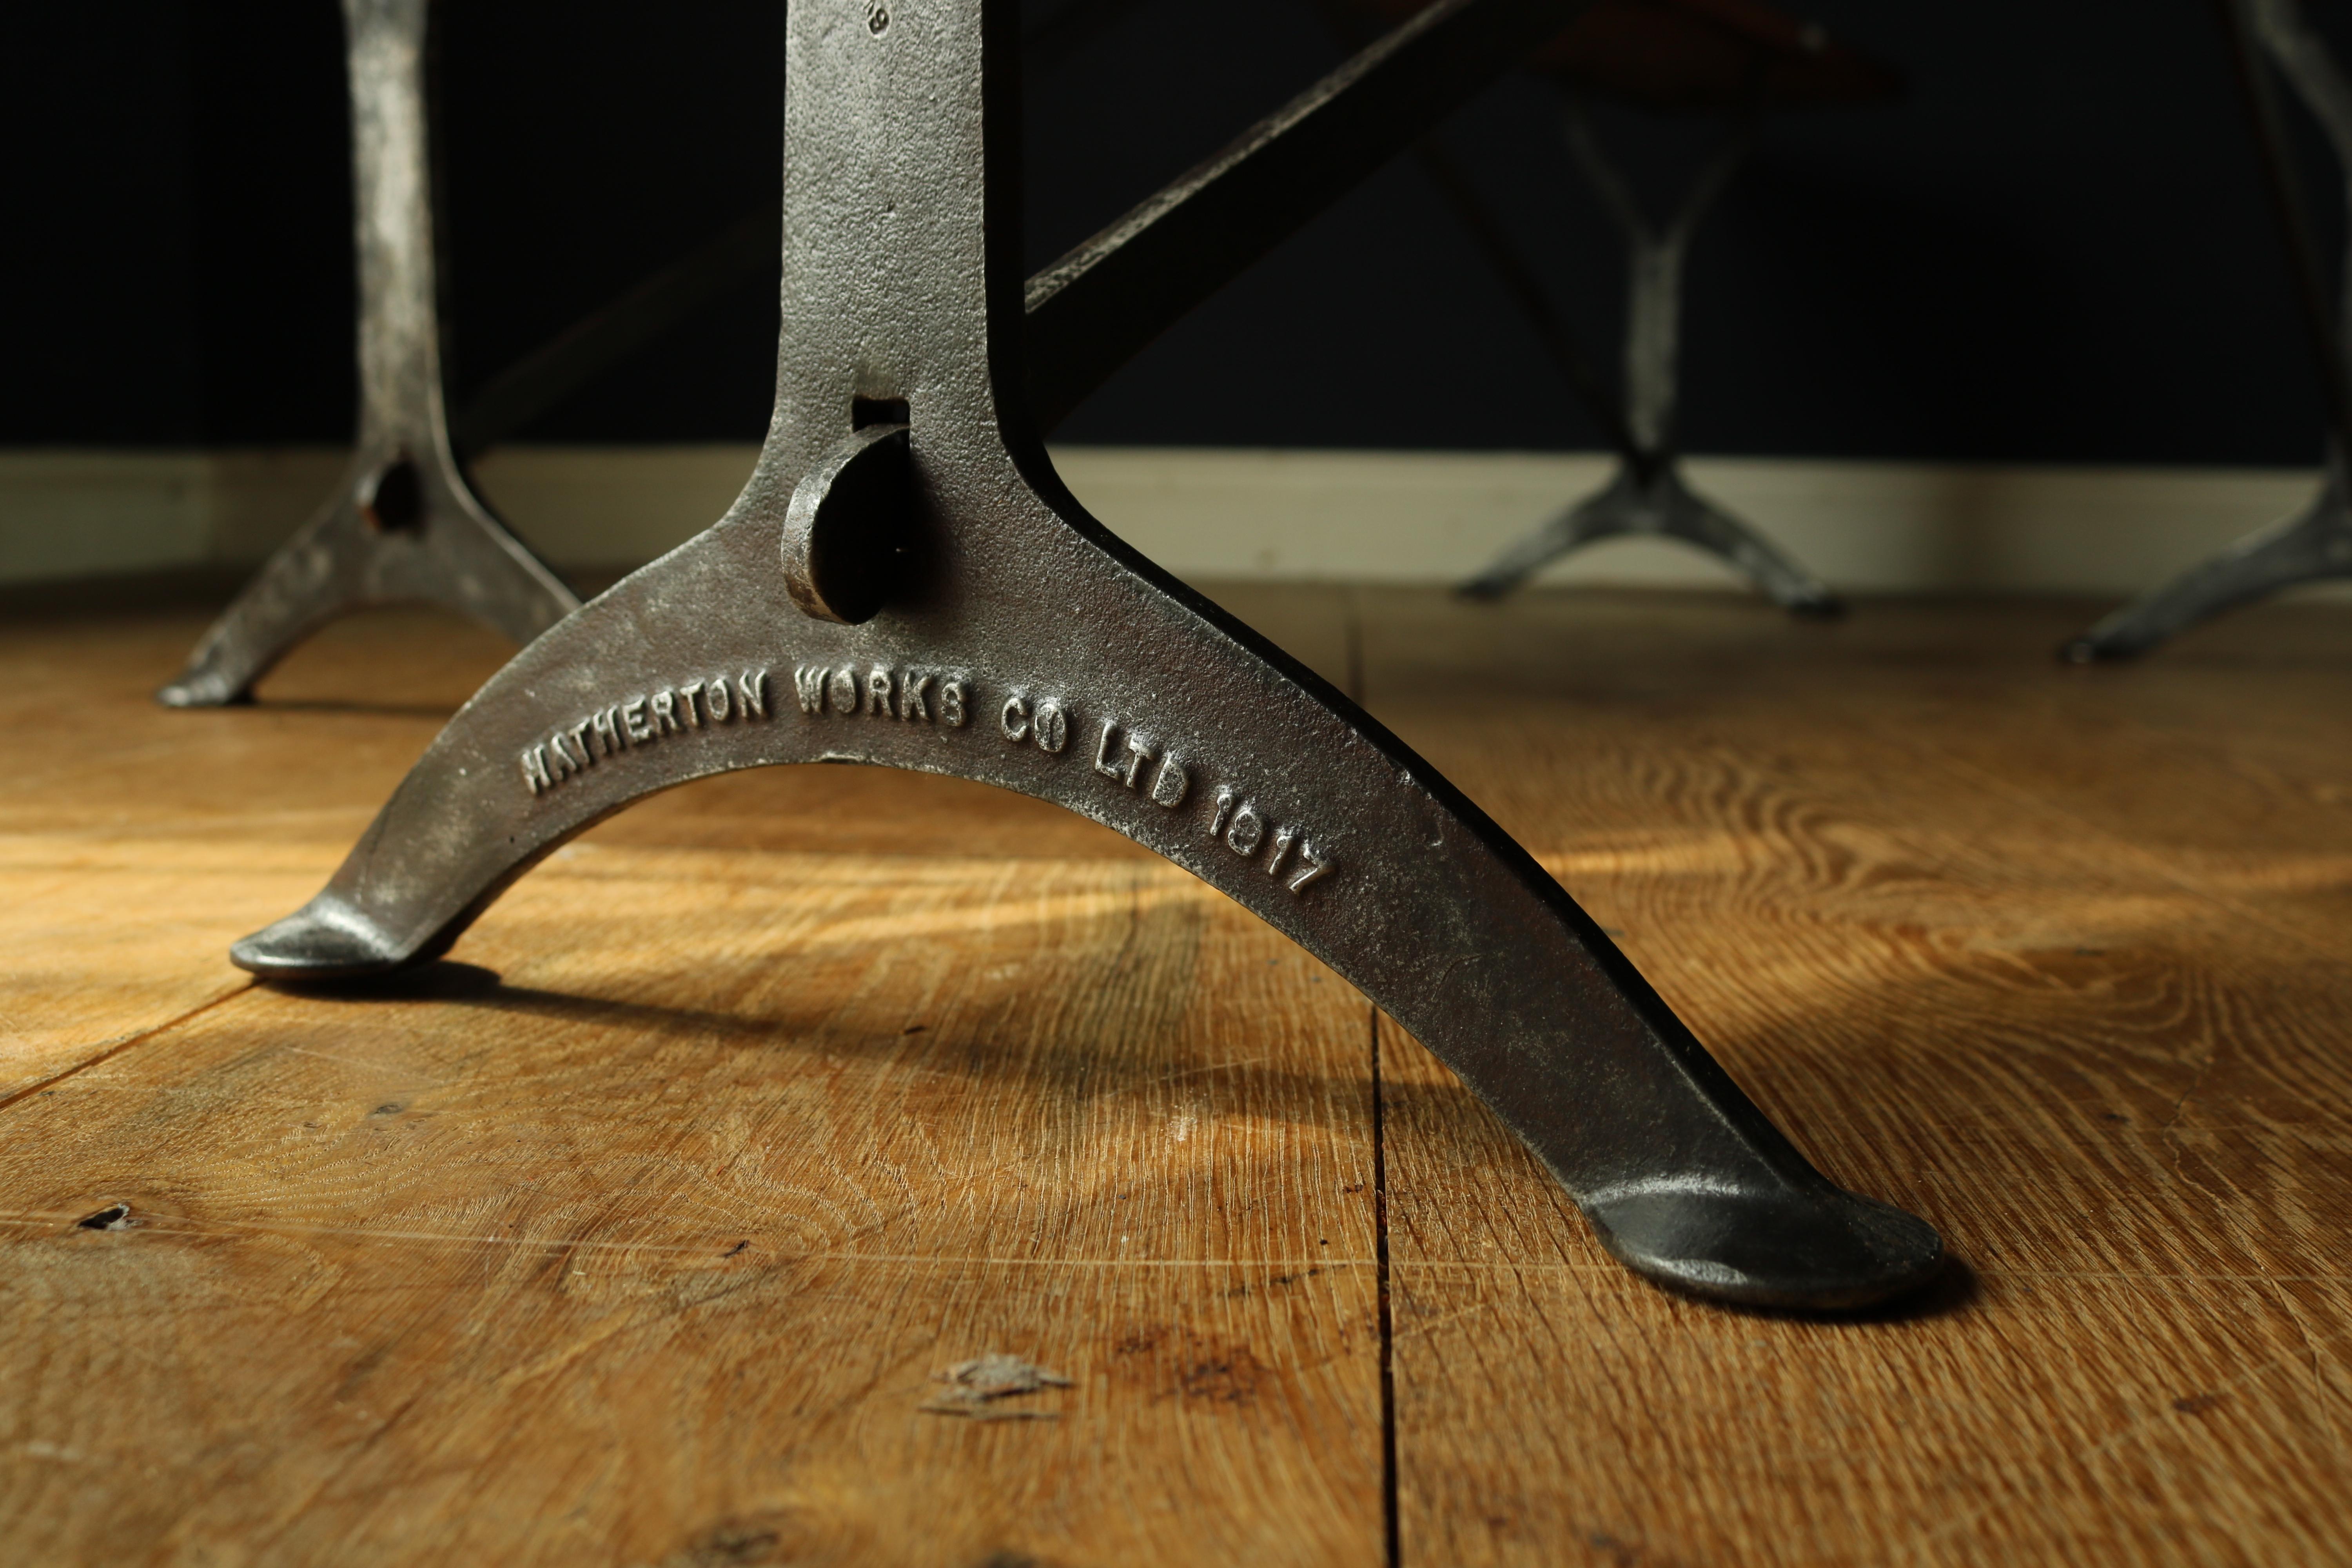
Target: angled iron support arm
1083	304
1096	308
1093	309
1014	640
614	330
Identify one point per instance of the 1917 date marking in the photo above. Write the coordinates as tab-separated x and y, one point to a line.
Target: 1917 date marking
1244	830
1131	761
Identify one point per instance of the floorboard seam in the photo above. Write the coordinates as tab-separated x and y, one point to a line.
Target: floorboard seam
108	1053
1389	1519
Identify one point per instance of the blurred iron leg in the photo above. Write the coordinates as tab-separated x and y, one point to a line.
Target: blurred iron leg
403	524
2315	544
1647	494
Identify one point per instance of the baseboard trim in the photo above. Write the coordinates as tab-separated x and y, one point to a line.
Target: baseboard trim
1397	517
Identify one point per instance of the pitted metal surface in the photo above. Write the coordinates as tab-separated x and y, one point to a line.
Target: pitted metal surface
1018	642
2316	543
402	523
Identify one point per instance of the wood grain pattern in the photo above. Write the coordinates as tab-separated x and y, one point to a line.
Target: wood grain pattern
1989	942
636	1233
637	1236
136	842
655	1241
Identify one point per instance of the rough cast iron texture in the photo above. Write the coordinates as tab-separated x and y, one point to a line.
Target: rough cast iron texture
1016	641
2316	542
402	523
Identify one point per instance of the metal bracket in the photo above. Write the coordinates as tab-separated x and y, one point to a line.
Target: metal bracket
1647	494
402	523
1012	639
2316	543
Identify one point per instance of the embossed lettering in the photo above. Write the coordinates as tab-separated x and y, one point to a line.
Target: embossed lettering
1284	850
1169	785
1217	817
843	690
1282	838
608	731
1045	723
808	687
1139	756
1103	765
877	692
1248	829
951	702
1311	867
912	703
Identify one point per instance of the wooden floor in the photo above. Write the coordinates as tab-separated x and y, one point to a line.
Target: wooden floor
637	1231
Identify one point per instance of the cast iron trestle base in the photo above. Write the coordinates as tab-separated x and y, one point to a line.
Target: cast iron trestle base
906	582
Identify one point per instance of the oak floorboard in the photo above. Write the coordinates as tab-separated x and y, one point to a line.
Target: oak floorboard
637	1235
1890	875
435	1272
637	1232
136	842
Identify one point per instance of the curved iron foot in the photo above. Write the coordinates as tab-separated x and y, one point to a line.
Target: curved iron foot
1665	507
2313	543
403	525
905	581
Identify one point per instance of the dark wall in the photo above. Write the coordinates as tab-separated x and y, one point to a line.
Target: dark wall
2054	248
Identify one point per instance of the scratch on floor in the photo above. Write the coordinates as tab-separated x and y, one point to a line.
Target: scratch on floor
973	1387
2320	1389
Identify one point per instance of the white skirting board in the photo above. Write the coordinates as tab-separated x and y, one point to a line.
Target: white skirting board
1400	516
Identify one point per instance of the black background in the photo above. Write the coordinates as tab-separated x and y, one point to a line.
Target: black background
2054	248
